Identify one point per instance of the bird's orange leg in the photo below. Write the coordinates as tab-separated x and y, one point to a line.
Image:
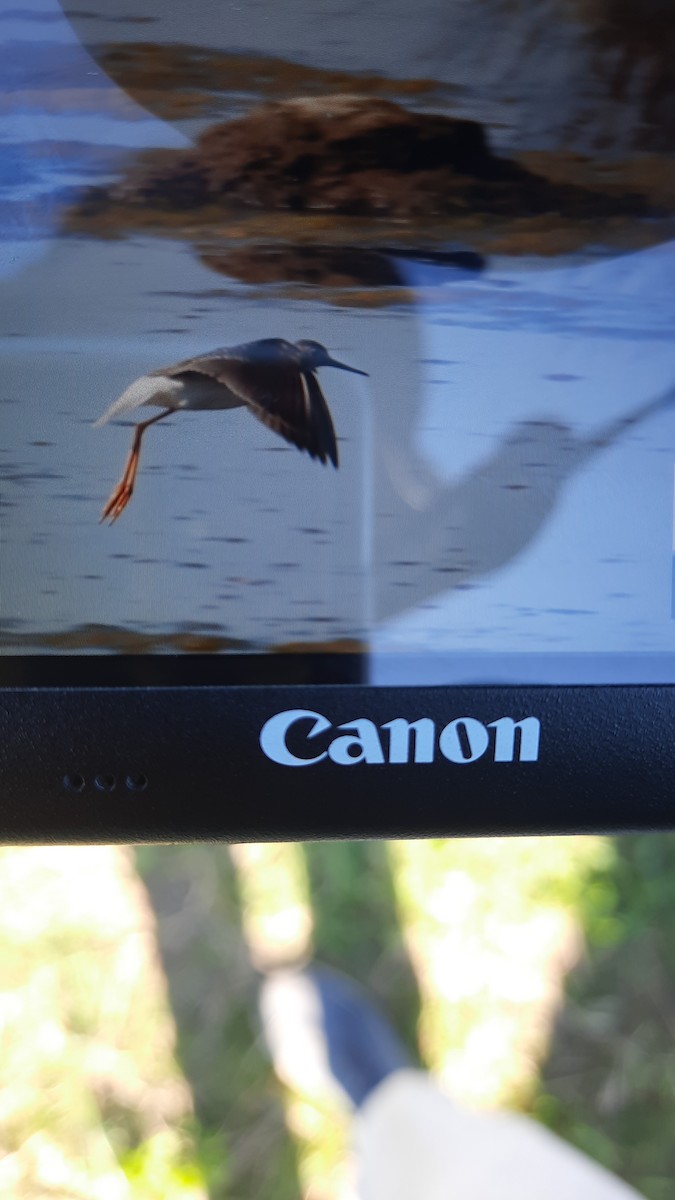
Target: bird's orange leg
122	494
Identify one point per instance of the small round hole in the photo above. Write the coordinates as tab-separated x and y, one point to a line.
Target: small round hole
74	782
105	783
137	783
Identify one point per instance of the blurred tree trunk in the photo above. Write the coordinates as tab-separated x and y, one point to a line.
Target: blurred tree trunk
241	1138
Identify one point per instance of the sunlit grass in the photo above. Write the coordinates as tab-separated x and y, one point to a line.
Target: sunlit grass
492	929
276	912
278	925
88	1080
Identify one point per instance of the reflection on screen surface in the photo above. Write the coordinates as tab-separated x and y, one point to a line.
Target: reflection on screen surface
502	510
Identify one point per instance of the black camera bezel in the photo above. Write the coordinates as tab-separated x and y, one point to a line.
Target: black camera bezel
122	754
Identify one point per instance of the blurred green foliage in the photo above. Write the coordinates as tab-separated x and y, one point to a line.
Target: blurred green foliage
609	1083
538	973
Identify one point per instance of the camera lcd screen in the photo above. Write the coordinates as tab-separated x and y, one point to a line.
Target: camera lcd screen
205	221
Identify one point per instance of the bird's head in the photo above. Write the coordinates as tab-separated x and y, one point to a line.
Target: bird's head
313	355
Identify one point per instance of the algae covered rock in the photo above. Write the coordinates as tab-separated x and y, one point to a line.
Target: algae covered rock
354	156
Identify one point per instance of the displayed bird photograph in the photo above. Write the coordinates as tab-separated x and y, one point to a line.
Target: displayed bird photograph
433	258
275	380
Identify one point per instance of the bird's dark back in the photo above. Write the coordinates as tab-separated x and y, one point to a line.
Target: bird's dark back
269	351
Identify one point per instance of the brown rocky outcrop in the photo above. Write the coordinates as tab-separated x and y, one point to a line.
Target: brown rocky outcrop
354	156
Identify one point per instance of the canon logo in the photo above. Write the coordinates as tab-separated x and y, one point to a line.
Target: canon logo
463	740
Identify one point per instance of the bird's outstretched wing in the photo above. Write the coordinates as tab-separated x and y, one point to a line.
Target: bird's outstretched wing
321	419
285	399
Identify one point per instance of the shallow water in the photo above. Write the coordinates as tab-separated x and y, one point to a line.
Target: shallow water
459	518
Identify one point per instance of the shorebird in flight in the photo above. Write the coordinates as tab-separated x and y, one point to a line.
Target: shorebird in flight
274	379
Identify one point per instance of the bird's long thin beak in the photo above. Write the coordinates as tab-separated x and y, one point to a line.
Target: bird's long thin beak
333	362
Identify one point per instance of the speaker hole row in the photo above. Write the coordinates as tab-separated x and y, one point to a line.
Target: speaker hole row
74	782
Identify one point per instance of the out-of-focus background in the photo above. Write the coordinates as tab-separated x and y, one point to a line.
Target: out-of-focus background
537	974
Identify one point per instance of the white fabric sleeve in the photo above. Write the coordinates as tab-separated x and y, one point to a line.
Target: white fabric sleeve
414	1143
